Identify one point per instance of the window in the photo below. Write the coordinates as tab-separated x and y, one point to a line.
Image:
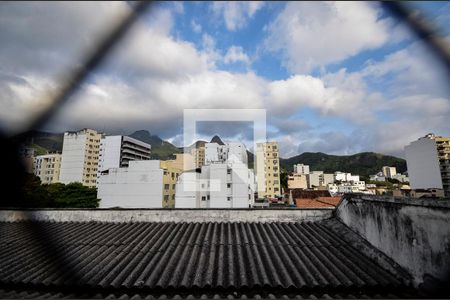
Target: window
203	198
173	197
228	185
228	198
228	171
166	186
208	197
275	189
166	197
173	186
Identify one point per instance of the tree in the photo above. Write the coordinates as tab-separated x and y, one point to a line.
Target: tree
56	195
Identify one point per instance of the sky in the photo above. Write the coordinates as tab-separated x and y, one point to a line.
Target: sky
333	77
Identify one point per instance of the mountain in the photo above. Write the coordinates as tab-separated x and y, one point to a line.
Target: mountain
43	142
160	149
364	164
217	139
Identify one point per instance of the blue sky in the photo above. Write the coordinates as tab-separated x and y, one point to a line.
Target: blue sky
333	77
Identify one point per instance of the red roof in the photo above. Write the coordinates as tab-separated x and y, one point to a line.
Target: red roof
319	202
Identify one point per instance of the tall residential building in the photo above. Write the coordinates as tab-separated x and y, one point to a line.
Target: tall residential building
143	184
47	168
218	185
268	170
389	172
223	182
80	155
229	152
301	169
428	163
117	151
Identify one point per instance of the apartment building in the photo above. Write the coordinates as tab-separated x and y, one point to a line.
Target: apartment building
199	156
228	153
317	179
217	185
297	181
428	163
143	184
47	167
345	177
301	169
268	170
117	151
80	157
223	182
389	172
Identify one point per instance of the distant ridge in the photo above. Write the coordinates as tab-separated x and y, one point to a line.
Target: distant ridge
364	164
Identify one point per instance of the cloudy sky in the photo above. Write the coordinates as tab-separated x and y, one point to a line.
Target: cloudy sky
339	78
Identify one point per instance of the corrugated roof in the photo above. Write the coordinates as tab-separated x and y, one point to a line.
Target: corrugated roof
157	257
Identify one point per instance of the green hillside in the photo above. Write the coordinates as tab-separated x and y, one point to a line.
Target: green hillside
364	164
160	149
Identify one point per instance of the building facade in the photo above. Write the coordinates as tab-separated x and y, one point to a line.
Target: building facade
80	157
317	179
389	172
217	185
224	181
118	150
47	168
301	169
199	156
143	184
428	163
268	170
228	153
297	181
345	177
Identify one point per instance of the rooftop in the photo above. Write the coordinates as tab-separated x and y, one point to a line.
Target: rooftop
195	253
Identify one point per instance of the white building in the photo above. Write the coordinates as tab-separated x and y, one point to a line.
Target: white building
118	150
139	185
230	152
319	179
47	167
301	169
377	177
80	154
423	164
389	172
401	177
218	185
223	182
345	177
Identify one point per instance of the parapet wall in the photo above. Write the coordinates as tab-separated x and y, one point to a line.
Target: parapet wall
414	233
167	215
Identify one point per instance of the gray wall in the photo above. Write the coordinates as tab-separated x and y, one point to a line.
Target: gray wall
414	233
167	215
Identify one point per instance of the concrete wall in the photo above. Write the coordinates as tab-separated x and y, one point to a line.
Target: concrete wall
414	233
73	156
138	186
423	164
167	215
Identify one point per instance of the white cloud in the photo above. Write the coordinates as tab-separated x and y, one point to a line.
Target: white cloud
152	77
236	54
235	13
314	34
